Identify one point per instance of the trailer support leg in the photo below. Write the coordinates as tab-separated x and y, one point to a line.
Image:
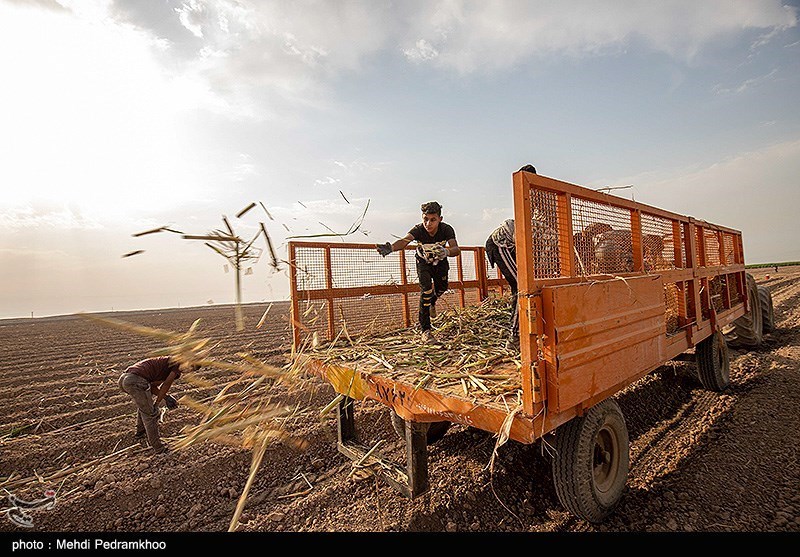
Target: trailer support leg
346	425
411	480
417	457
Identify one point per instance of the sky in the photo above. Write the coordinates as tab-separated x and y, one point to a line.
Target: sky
119	116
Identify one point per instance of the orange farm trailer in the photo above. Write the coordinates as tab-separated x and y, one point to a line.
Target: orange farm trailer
609	290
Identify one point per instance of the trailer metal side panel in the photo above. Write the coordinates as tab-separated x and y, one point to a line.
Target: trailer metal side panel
427	404
600	334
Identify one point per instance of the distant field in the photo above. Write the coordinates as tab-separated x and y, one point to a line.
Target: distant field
784	264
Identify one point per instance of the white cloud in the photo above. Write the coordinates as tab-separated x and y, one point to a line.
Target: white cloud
327	181
263	56
485	36
747	84
244	168
100	118
48	216
422	51
192	15
47	4
22	254
496	215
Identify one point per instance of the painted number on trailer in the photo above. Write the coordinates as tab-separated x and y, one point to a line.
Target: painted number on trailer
388	394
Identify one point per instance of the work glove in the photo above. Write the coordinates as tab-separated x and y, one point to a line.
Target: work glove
425	252
439	252
170	402
384	249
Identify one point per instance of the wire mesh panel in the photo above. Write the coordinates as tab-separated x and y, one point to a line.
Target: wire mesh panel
602	238
544	234
730	253
313	316
672	305
689	302
469	262
452	273
712	248
683	248
355	267
718	289
368	314
411	267
310	265
352	288
472	296
491	272
657	243
447	301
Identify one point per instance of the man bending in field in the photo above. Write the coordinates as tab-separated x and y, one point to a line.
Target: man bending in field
142	381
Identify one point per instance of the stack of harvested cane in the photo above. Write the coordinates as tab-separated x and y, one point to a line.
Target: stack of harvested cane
472	341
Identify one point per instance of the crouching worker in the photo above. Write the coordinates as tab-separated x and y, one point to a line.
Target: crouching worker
501	251
142	381
436	242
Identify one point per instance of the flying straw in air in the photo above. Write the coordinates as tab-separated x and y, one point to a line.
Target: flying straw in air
155	231
146	232
273	257
241	213
353	228
248	417
264	317
266	211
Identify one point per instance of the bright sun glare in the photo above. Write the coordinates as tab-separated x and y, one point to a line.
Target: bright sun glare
93	123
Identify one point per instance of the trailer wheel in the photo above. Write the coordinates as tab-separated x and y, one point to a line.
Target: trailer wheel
748	329
436	430
713	363
590	467
767	309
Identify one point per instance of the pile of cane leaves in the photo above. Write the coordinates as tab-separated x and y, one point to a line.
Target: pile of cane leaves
471	344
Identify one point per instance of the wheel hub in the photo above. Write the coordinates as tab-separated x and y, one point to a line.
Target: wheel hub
606	459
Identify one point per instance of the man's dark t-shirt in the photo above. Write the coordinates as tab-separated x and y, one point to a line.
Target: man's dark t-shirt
155	370
444	233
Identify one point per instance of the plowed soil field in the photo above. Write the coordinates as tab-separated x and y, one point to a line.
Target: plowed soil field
700	461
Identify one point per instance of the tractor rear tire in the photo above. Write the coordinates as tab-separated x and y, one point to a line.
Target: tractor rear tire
436	430
590	466
748	329
767	309
713	363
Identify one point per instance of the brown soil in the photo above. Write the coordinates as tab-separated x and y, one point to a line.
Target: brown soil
700	461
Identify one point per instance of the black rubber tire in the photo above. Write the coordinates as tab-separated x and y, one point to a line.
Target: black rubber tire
767	309
590	467
748	329
436	430
713	363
